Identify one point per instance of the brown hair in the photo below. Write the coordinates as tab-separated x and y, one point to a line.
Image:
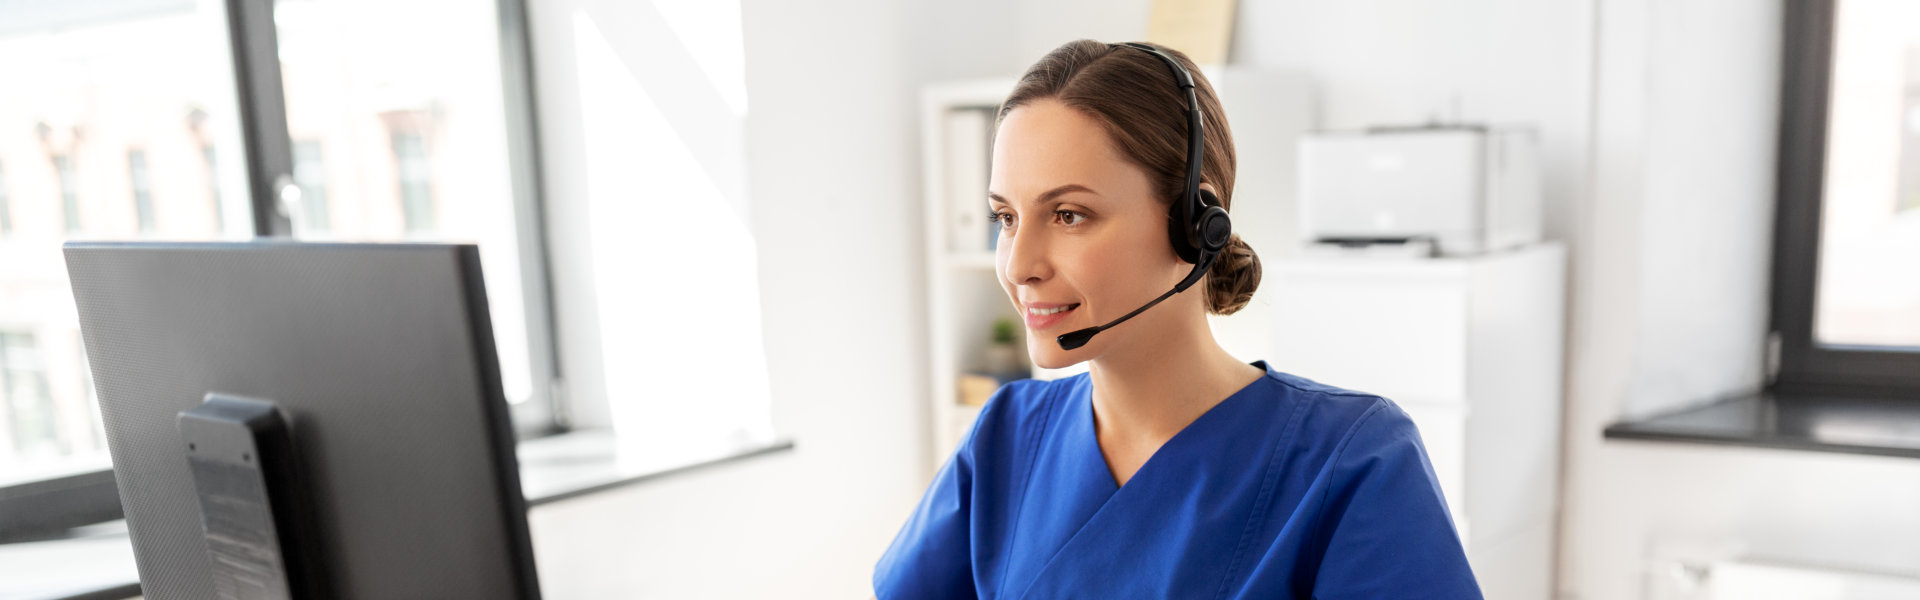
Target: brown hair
1132	94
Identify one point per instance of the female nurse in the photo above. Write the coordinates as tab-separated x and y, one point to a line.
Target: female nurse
1170	469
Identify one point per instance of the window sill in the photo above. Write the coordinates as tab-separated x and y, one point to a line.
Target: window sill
1813	422
578	463
96	562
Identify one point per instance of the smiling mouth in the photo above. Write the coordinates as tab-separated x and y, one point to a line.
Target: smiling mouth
1042	312
1046	318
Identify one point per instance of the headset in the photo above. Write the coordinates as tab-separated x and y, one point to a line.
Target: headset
1197	224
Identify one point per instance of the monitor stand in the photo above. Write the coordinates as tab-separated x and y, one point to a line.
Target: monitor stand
259	528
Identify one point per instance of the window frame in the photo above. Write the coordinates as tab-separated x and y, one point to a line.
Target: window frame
1797	363
268	143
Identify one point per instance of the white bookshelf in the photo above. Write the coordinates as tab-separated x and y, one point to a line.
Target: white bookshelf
963	291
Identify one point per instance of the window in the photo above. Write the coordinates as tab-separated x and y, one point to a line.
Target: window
131	94
69	191
310	173
142	190
154	84
1846	297
398	139
219	209
29	404
417	139
6	211
416	185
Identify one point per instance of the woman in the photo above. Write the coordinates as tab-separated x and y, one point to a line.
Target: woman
1170	469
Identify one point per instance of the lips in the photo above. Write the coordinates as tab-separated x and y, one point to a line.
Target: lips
1037	321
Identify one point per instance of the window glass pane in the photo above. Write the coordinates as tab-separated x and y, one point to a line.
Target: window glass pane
142	190
401	136
109	113
29	406
6	210
69	191
1869	290
310	173
416	185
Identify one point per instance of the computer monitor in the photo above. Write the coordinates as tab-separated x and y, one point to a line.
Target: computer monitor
390	472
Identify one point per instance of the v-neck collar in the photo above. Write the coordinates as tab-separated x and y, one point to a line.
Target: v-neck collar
1080	493
1083	412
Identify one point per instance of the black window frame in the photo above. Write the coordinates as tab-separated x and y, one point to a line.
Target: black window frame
1799	364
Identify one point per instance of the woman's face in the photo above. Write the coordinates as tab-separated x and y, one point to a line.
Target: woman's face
1079	228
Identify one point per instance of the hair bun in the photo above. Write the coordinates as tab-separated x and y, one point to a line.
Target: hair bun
1232	279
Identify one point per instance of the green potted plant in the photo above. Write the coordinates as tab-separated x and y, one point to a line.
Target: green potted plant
1003	355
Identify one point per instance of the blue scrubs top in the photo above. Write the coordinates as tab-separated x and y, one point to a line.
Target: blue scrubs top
1287	489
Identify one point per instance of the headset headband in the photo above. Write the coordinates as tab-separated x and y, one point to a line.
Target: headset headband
1196	137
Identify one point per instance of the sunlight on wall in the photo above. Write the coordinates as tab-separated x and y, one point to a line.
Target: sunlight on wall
711	32
676	270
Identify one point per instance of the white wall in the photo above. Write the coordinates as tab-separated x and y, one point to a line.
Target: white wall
1658	127
1402	62
1670	309
1659	124
831	179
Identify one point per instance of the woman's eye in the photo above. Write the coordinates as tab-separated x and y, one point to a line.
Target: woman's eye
1068	217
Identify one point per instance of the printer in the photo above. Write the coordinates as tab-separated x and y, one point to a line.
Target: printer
1441	189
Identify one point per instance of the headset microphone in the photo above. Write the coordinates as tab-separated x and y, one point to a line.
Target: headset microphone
1076	339
1198	227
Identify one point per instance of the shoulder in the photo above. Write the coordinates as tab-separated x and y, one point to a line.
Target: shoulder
1016	410
1338	420
1021	403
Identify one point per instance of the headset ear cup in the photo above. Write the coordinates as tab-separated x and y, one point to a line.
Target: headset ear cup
1216	229
1213	228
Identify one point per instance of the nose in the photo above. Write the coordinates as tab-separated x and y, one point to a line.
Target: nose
1025	252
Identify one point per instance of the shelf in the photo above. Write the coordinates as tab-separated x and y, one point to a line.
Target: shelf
971	260
964	296
1822	423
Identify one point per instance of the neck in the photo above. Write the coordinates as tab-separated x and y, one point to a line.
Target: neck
1163	379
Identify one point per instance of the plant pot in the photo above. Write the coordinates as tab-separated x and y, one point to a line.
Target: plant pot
1003	359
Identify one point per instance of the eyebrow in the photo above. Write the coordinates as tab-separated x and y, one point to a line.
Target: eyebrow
1049	194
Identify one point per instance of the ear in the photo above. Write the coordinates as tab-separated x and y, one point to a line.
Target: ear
1208	188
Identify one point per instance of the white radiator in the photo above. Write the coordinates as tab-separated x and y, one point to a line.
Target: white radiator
1753	580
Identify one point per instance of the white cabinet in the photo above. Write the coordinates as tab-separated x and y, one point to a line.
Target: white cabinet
1471	348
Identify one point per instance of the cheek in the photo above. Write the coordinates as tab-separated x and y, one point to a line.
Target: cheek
1123	270
1098	274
